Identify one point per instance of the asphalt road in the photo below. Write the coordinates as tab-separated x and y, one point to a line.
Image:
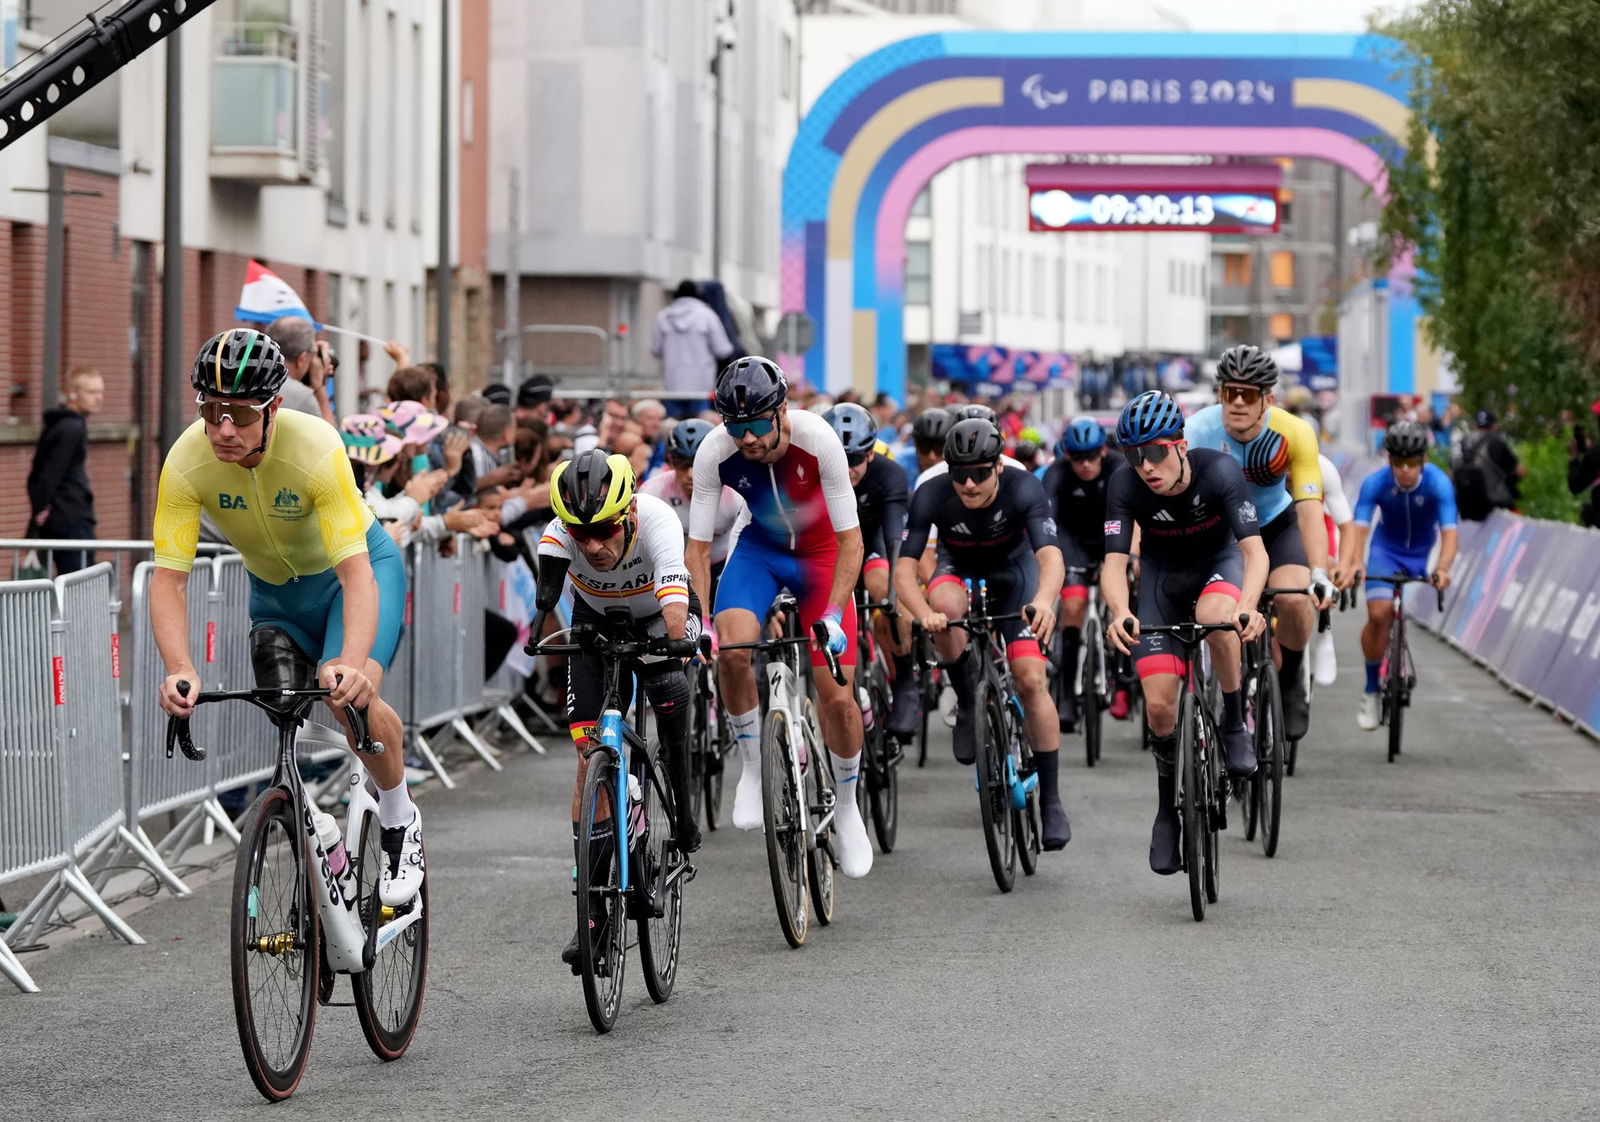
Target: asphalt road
1423	946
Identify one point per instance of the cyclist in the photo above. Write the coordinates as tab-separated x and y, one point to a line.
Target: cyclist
1076	486
994	524
927	438
620	549
326	580
881	499
1324	661
804	534
1202	559
1417	506
676	487
1274	447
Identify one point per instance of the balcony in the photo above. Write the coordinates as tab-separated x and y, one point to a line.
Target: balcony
256	128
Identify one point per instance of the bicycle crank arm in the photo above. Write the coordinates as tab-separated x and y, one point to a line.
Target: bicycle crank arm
395	927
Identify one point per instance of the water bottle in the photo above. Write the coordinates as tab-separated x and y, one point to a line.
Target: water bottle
864	699
333	845
636	822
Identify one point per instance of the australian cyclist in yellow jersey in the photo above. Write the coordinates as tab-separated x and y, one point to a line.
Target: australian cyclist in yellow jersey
326	582
1278	452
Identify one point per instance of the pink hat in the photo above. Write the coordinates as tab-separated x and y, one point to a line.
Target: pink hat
413	421
367	439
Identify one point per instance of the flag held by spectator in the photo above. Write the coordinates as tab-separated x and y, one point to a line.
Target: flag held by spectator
265	297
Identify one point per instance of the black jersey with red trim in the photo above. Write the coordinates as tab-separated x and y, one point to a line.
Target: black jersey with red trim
1189	527
977	541
1079	505
881	501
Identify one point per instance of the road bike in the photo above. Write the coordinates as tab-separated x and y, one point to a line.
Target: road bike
1007	781
930	685
1091	679
627	796
797	789
710	741
1202	786
878	792
1263	699
303	912
1399	674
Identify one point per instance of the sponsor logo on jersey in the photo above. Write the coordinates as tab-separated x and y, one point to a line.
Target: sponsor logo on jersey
1162	516
960	528
231	502
1308	488
286	504
1247	511
1050	526
1114	527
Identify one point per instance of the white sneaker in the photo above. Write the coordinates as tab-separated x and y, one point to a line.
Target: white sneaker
1324	660
850	840
747	797
401	877
1367	716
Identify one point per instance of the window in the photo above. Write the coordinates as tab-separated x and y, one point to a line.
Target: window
1283	269
414	129
363	103
335	63
1281	327
922	205
1080	292
1038	287
786	71
1172	276
1100	313
1005	280
1236	269
391	113
918	268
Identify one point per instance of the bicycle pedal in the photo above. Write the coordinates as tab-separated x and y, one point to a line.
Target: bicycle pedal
689	872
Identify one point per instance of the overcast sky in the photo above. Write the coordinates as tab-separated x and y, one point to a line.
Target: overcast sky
1275	15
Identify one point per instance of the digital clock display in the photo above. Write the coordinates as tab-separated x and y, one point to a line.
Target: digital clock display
1232	212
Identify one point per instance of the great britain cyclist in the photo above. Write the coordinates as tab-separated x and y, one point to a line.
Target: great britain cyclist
1415	505
327	583
620	549
1202	558
994	525
882	498
804	535
1075	484
674	485
1278	452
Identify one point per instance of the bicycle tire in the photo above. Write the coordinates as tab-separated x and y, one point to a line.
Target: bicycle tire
660	937
388	994
274	931
785	829
1271	748
1092	703
1026	827
1394	690
1294	752
928	690
884	790
699	742
717	763
821	791
1192	813
603	961
994	801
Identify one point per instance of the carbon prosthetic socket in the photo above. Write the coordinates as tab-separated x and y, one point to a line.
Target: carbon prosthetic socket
1165	751
279	662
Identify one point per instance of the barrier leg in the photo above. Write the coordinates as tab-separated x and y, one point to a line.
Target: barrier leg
72	877
478	746
30	922
11	968
425	750
513	721
215	813
538	712
178	839
140	844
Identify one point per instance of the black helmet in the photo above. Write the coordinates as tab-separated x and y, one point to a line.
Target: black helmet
973	441
748	388
1250	365
857	429
593	487
1027	451
685	438
969	412
239	363
1406	438
930	426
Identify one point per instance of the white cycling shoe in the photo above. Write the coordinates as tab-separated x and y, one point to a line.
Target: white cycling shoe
850	839
747	805
403	865
1367	715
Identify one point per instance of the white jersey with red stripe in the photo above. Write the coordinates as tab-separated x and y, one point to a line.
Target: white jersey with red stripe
732	514
650	575
797	504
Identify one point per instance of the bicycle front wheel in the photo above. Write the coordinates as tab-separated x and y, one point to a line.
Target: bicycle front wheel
994	799
1025	824
699	742
1092	697
1270	752
1192	797
883	791
602	918
389	993
783	815
274	935
821	794
661	867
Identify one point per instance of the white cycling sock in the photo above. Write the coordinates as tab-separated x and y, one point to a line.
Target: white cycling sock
747	735
395	807
846	774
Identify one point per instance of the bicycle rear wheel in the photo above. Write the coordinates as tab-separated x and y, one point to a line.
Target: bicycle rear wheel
716	761
928	690
1025	824
1270	751
994	800
1092	700
820	795
273	933
389	992
883	789
659	889
782	812
602	916
1192	797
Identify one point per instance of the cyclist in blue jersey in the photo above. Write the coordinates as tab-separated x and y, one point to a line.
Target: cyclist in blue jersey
1416	505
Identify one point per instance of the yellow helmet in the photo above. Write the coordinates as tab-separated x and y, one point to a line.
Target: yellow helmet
592	488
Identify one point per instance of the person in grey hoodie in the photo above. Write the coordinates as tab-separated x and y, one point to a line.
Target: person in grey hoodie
59	495
690	341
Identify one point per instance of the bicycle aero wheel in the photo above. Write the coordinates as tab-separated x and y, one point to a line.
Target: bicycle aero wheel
1192	797
928	690
1394	688
699	742
993	798
660	866
274	934
820	794
783	817
883	788
1092	698
389	992
602	919
1267	783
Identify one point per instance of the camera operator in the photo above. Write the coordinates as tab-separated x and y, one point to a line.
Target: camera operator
1583	469
310	361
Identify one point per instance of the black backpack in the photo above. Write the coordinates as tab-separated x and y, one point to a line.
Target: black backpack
1480	483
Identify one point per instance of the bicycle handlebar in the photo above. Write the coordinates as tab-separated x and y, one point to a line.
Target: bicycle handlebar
1400	580
594	641
178	734
1189	634
819	636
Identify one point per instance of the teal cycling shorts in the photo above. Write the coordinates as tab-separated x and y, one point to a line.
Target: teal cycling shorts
311	609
